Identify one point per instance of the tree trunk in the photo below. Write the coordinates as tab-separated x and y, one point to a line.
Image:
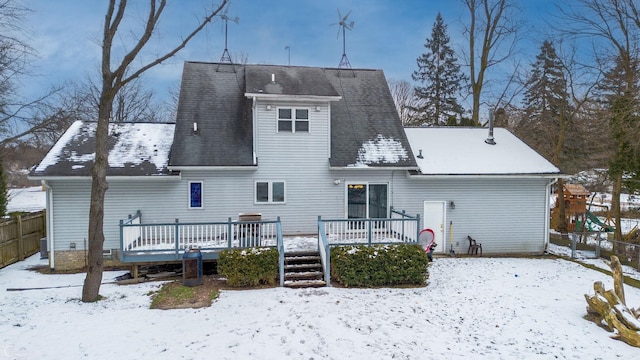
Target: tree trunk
562	211
99	186
615	207
610	307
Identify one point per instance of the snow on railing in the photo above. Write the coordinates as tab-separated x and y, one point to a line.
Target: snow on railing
177	236
401	228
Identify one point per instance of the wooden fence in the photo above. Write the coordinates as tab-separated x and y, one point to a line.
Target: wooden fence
20	237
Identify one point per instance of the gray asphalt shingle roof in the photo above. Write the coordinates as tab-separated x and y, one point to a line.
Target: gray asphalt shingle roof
135	149
365	128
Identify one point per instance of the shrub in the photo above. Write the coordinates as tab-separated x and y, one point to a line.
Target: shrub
249	267
379	265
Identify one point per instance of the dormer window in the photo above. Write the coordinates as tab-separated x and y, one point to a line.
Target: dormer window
293	120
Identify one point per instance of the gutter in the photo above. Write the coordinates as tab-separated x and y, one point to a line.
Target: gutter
487	176
49	222
547	221
88	177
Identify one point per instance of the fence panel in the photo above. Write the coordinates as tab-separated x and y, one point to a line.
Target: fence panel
20	237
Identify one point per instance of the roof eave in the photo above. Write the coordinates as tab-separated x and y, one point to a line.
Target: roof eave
491	176
208	168
402	168
283	97
117	177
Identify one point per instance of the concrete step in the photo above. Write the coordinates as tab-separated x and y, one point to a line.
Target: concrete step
303	266
304	283
319	275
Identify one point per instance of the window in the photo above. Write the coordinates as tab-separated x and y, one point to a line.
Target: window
293	120
195	195
270	192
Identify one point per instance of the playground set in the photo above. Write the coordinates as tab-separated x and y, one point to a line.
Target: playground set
577	211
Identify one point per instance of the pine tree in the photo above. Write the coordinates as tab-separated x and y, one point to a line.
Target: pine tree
548	118
4	196
440	79
546	104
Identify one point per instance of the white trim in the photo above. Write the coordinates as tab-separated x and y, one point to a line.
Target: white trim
279	97
487	176
373	168
293	120
201	207
367	184
49	221
134	178
270	192
209	168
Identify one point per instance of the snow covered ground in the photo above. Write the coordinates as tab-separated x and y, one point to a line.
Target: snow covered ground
472	308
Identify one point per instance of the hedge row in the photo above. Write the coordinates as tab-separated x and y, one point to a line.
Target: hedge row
249	267
379	265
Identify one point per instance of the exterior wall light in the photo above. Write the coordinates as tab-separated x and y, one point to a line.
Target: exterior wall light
452	205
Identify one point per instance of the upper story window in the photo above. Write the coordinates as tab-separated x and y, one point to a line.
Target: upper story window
293	120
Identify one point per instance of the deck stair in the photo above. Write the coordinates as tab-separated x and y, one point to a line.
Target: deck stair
303	269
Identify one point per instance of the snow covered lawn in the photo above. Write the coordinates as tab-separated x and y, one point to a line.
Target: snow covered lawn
491	308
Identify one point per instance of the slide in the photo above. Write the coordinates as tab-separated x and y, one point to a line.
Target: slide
595	220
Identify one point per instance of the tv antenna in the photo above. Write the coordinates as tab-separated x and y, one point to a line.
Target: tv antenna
226	58
343	25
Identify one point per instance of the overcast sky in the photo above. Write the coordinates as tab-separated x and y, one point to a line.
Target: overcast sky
388	34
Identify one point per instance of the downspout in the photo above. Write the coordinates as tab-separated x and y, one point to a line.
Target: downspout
50	237
547	218
254	119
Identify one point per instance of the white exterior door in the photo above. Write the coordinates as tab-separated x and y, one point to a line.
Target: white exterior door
435	219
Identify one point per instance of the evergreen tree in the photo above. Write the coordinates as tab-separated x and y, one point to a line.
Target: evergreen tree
440	79
548	118
546	105
620	88
4	196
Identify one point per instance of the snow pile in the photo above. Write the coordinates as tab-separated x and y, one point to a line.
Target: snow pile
472	308
380	150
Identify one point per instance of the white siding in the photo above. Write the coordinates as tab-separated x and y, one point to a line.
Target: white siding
505	215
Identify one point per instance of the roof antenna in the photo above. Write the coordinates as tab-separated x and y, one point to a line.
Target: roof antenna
226	58
342	25
490	139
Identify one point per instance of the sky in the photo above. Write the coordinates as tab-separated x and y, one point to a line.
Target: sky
387	35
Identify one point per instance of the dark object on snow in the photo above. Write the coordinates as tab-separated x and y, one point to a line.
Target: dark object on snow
126	276
192	267
451	252
474	246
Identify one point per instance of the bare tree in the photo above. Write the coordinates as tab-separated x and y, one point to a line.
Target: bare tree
113	79
405	100
16	112
492	32
614	27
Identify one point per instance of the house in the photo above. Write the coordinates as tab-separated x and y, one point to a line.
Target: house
295	143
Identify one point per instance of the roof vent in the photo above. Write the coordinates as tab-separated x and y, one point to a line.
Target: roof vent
420	154
490	139
273	78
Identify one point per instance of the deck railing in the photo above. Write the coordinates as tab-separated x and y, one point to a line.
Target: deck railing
164	241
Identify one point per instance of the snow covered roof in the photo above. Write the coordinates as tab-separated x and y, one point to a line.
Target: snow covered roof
135	149
463	151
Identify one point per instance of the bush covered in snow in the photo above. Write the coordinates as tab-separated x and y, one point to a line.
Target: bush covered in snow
379	265
249	267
